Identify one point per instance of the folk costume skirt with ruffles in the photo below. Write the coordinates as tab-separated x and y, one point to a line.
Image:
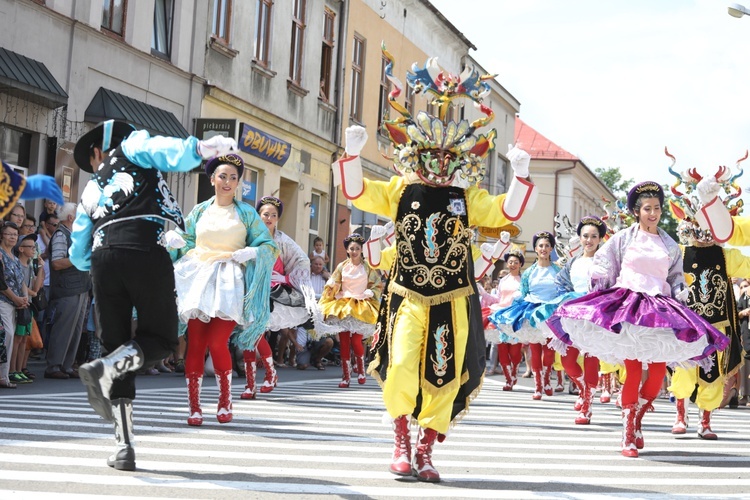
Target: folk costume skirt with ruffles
618	324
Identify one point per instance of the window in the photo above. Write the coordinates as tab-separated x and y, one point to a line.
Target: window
250	186
409	100
263	33
222	14
315	218
326	58
113	15
298	41
385	88
161	39
358	70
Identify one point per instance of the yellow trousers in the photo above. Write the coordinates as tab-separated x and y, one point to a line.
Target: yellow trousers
407	354
709	395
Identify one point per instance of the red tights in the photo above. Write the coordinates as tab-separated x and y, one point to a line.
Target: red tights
509	353
213	336
590	369
348	341
649	389
263	349
541	355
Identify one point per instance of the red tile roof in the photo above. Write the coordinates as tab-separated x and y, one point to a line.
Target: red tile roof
538	146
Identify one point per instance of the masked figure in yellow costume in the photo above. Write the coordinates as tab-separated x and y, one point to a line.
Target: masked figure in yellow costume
708	268
429	342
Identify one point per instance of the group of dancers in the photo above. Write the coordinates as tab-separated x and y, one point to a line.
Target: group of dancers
627	303
235	276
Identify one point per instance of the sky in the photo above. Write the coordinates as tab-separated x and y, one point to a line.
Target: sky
615	82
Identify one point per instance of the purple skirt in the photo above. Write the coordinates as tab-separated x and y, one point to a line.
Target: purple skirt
618	324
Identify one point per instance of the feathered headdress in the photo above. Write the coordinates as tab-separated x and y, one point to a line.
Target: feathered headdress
433	147
687	204
617	216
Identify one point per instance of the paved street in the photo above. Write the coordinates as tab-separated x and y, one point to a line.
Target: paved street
309	438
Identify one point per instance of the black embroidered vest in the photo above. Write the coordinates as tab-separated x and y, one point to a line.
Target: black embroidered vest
433	242
128	204
711	295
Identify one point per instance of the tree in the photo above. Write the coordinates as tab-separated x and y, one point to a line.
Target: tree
612	178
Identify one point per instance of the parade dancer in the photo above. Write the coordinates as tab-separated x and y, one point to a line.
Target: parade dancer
506	349
572	282
708	268
519	320
222	274
292	299
430	336
635	315
119	235
349	303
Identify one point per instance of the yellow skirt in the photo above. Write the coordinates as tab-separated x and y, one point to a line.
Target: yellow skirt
365	310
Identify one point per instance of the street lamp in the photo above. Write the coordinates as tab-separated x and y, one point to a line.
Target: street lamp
737	10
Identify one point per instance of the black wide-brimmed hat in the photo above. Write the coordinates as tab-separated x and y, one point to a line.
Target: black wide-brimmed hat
228	159
111	133
592	220
650	187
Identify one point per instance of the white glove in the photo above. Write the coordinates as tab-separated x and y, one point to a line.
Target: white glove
519	161
708	189
244	254
216	146
279	278
598	272
487	250
356	137
368	294
377	232
173	239
682	295
505	237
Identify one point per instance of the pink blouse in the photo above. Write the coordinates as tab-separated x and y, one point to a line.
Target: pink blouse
353	282
645	265
506	288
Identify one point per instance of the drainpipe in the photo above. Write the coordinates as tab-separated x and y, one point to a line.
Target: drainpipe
337	123
557	173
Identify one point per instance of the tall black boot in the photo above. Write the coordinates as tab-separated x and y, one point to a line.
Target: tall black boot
124	456
99	374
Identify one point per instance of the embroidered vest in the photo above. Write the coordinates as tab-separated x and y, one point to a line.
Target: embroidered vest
122	192
710	290
433	242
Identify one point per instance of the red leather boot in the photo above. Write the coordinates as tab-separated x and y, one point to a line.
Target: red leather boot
361	377
681	422
705	432
581	386
271	379
346	371
584	415
644	405
422	462
224	408
546	374
513	375
537	395
250	372
401	463
194	382
606	395
629	448
508	377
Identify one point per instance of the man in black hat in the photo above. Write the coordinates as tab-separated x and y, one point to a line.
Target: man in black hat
119	235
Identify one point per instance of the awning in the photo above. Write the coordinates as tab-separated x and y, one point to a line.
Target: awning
29	79
109	105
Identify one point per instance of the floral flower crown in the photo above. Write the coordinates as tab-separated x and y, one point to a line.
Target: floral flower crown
433	147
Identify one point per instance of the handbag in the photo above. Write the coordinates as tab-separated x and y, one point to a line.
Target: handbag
35	340
40	302
23	316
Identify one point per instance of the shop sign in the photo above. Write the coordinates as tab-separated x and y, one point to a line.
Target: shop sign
264	145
